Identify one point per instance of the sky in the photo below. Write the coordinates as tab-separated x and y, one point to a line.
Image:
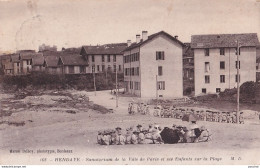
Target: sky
26	24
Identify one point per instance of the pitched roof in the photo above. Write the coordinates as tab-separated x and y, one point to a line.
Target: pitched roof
152	36
37	60
6	56
50	53
224	40
29	55
15	58
51	60
73	59
113	49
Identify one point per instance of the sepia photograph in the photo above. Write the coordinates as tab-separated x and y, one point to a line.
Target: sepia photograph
129	82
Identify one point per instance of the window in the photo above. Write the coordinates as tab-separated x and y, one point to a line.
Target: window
103	58
222	78
108	58
204	90
114	58
239	78
222	64
93	58
71	69
137	85
206	51
217	90
103	68
131	84
114	68
119	68
161	85
238	51
160	72
82	69
98	68
125	71
29	62
18	64
132	71
207	79
137	71
109	68
137	57
207	67
222	51
159	55
238	65
93	68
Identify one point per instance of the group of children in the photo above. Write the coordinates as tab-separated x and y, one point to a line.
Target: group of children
140	108
212	116
153	135
179	112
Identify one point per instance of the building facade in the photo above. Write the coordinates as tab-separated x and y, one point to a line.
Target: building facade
215	61
72	64
104	58
153	66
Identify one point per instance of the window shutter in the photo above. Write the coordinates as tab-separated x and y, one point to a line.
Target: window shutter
162	55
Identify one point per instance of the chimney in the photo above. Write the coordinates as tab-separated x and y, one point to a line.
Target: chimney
138	38
144	35
128	43
176	37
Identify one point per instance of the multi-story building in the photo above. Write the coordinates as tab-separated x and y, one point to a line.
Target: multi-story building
108	57
215	61
153	66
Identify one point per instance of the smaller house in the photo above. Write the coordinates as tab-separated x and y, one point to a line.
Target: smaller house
72	64
51	64
38	63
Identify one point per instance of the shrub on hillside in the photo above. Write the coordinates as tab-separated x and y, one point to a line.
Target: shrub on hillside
248	89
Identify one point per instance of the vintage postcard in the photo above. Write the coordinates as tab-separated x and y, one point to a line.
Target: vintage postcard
130	82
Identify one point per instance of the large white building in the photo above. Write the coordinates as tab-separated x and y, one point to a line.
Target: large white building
153	66
215	61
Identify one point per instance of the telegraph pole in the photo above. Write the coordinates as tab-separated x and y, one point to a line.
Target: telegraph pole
156	91
116	89
93	71
238	80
